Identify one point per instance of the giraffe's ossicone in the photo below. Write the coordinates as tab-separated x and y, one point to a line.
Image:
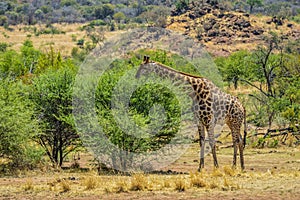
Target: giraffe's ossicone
211	106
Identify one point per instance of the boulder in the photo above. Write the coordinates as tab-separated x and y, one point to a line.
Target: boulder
192	16
212	33
257	32
221	40
207	26
242	23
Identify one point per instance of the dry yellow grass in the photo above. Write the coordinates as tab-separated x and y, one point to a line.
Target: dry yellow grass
278	182
60	42
63	42
139	182
90	183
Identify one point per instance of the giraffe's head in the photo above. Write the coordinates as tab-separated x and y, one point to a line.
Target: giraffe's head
142	69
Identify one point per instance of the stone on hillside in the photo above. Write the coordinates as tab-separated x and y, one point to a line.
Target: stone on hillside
257	32
183	20
207	9
192	16
242	23
245	35
212	33
200	13
207	39
216	26
207	26
222	40
229	15
269	21
220	15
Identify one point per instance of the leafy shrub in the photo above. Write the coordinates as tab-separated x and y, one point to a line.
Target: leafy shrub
18	126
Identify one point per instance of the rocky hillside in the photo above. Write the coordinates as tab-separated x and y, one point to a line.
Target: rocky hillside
223	32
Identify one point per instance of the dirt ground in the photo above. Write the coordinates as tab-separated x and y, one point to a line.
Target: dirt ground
271	173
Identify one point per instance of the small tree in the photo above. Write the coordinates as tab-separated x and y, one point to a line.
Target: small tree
119	16
52	95
253	3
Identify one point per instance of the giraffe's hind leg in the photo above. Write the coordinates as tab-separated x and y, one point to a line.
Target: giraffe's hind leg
241	149
212	144
234	153
237	145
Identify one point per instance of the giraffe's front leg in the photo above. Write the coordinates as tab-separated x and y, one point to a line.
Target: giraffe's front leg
202	146
212	144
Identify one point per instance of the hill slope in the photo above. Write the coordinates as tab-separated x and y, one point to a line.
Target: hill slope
223	32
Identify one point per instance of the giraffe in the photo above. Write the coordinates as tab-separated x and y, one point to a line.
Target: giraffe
210	105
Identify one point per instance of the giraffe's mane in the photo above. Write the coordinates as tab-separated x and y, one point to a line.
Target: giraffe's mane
174	70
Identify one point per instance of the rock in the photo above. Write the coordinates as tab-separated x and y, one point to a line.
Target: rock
183	20
220	15
257	32
229	15
221	40
240	11
216	26
212	33
200	13
245	35
242	23
192	16
277	21
207	39
207	9
269	21
207	26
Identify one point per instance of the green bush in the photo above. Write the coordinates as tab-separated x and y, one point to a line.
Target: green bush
18	126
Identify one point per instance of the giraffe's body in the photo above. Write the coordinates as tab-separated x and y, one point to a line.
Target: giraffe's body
210	106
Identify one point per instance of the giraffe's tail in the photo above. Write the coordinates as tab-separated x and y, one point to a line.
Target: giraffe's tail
245	128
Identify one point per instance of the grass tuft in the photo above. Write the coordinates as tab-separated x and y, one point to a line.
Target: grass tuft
90	183
28	185
217	173
213	185
138	182
197	180
180	185
120	187
229	171
65	185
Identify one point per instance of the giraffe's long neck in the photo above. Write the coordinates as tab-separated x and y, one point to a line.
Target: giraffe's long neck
166	72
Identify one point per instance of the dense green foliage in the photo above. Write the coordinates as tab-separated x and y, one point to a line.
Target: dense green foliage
36	99
140	127
275	77
46	11
18	126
